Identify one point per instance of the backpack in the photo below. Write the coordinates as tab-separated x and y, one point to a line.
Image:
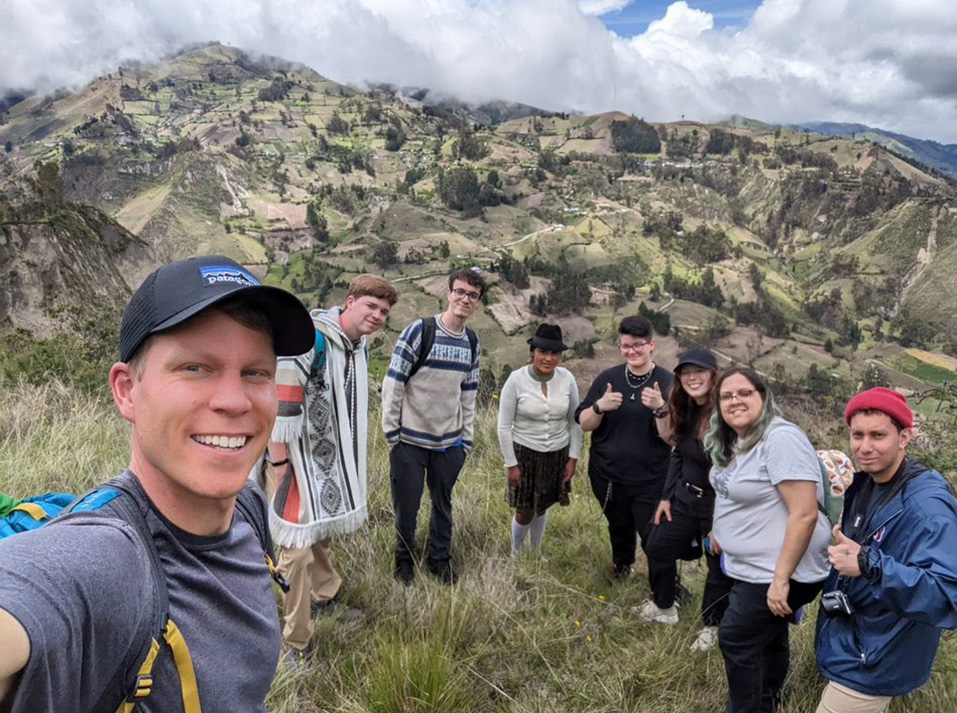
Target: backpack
123	505
31	513
428	339
837	474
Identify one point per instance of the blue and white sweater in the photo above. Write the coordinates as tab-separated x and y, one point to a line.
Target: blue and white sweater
424	410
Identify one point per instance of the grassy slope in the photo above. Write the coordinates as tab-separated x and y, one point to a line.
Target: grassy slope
517	636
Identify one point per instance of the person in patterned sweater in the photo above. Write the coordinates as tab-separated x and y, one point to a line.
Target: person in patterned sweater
428	410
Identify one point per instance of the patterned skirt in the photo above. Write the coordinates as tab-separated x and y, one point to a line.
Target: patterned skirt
543	480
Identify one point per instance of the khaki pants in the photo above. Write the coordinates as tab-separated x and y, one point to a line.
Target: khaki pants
841	699
312	578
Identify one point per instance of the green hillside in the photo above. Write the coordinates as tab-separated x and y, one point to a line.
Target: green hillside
776	238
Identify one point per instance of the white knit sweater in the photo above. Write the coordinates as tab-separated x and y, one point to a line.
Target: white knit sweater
527	417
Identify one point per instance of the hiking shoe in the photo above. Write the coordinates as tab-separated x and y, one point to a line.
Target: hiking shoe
683	595
294	660
335	607
405	572
620	571
649	611
707	639
444	572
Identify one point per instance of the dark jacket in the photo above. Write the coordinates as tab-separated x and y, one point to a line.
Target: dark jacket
907	596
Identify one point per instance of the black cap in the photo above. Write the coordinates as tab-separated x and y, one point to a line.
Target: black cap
699	357
548	337
180	290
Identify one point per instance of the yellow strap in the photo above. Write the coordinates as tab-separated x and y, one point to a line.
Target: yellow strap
184	664
33	510
144	680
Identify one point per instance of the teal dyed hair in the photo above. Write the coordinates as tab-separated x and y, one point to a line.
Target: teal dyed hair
721	441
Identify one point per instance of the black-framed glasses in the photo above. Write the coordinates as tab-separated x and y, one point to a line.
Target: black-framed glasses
460	293
636	347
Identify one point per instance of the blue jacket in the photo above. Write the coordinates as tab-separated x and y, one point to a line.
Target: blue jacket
907	597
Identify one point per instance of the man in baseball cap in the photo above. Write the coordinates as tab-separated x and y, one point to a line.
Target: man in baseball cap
893	586
196	382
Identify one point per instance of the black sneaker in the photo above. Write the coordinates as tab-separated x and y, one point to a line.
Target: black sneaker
683	595
405	572
444	571
620	571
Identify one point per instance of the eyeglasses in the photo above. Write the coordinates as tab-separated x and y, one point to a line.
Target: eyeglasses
460	293
741	395
636	347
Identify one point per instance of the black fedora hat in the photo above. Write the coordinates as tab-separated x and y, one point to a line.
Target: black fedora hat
704	358
549	338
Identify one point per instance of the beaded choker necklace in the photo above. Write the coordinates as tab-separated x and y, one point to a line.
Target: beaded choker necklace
636	382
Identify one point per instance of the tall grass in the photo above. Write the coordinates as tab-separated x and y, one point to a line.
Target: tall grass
514	635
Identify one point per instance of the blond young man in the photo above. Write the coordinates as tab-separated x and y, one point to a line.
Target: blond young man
316	479
195	381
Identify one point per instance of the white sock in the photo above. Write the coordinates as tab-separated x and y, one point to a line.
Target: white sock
518	536
537	530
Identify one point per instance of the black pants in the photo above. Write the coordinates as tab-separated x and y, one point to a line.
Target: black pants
629	510
754	643
670	541
411	466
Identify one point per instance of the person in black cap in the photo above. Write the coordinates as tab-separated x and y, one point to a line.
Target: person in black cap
182	527
538	435
683	518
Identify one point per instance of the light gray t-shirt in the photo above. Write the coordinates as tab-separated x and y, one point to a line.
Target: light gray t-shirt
750	518
83	592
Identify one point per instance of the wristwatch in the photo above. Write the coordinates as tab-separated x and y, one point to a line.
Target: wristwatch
864	559
596	408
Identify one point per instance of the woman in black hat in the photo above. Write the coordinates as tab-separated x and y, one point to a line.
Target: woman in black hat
538	435
683	518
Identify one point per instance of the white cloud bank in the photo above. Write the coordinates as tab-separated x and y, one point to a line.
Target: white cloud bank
887	63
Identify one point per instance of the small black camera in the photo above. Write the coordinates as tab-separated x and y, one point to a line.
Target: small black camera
836	604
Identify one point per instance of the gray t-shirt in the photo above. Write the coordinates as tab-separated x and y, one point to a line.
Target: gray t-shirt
83	592
750	518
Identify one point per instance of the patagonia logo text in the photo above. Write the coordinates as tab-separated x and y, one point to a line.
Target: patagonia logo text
213	275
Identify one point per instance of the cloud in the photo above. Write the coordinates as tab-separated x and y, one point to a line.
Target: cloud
597	8
887	63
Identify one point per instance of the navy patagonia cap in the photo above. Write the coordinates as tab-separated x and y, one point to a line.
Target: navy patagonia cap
173	293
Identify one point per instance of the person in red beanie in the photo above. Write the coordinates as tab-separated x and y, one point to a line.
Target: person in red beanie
893	585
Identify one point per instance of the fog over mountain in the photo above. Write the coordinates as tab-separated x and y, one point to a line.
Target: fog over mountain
886	63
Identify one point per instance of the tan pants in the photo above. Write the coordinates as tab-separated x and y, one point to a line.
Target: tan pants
312	578
841	699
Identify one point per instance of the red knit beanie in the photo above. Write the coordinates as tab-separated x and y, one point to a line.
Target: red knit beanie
882	399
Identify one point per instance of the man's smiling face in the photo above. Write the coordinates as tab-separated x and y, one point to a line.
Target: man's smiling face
202	401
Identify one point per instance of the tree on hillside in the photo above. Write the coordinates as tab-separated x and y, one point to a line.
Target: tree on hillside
385	254
8	146
337	125
458	189
634	136
320	227
469	146
720	142
394	138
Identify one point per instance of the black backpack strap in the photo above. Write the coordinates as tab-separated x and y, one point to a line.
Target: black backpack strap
250	508
116	499
425	345
473	343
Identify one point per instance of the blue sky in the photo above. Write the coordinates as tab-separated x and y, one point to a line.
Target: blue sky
634	19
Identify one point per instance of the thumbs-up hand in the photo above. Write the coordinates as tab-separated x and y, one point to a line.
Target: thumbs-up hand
843	554
652	398
610	400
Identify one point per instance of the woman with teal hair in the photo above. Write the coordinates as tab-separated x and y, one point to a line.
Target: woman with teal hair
771	533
